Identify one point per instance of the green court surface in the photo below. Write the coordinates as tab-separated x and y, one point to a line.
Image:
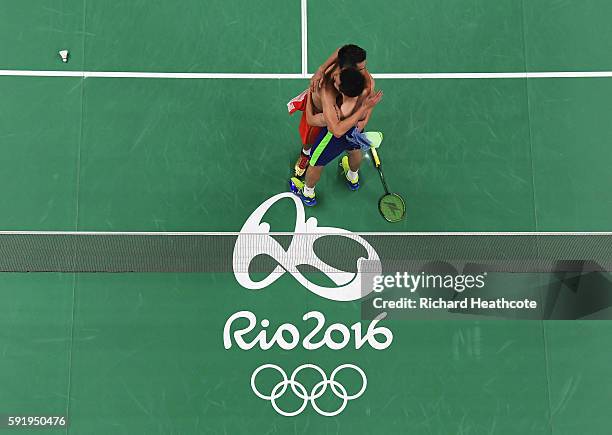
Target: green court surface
143	353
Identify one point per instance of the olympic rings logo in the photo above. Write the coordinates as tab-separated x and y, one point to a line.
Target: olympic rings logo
317	391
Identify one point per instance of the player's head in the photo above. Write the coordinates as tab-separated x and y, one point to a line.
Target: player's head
353	56
350	82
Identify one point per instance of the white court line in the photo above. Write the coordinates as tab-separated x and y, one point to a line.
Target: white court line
277	233
148	75
304	38
502	75
402	76
17	73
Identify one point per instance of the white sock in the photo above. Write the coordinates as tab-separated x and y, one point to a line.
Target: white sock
352	176
309	191
307	152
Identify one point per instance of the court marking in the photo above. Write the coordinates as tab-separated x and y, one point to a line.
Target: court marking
304	70
281	233
304	12
291	76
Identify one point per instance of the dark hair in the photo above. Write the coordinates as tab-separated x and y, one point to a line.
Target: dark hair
352	82
350	55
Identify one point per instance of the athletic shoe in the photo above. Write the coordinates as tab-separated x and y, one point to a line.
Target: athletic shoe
297	187
345	168
302	164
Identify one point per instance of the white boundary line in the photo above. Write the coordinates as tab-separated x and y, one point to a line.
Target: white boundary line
277	233
402	76
500	75
304	7
147	75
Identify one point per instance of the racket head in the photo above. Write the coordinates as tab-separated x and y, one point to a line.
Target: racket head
375	138
392	207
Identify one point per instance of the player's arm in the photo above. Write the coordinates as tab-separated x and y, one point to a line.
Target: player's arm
369	90
313	119
317	79
339	127
361	124
369	82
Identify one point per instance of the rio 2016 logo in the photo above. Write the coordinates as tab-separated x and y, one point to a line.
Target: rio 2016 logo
254	240
288	329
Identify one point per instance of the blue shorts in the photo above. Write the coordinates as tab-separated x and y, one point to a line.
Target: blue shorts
328	147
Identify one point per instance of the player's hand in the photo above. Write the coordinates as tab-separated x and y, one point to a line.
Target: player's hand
316	81
361	125
372	100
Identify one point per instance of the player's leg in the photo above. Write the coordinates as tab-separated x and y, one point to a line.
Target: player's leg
327	149
313	175
350	166
309	135
302	162
306	189
354	159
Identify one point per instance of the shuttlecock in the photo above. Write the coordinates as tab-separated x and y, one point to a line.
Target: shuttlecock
64	55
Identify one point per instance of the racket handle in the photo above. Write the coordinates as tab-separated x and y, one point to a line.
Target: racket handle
375	157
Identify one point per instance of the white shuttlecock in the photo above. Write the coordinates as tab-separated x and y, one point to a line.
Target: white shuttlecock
64	55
